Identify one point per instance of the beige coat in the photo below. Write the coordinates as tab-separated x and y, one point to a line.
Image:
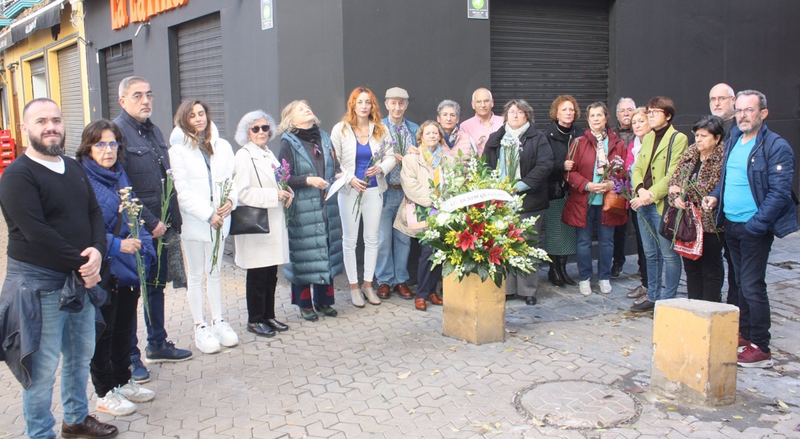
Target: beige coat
267	249
415	177
344	144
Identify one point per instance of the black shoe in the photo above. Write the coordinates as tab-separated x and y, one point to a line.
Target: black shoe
309	314
326	309
139	373
553	274
261	329
166	353
562	270
646	306
510	297
530	300
276	325
616	270
90	428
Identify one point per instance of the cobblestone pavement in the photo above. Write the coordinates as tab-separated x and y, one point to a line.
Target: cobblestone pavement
387	372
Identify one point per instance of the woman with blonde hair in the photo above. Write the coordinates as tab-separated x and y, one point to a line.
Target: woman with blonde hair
360	143
202	163
315	230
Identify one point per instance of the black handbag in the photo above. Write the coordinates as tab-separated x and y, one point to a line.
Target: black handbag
685	227
108	282
248	220
555	190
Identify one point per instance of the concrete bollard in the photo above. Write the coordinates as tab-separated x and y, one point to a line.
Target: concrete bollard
694	351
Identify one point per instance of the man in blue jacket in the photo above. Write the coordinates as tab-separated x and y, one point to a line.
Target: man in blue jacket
755	205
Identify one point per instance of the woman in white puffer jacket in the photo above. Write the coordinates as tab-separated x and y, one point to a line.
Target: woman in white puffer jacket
202	163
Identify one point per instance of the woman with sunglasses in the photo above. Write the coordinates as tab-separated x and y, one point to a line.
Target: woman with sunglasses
99	153
363	153
315	231
260	254
202	163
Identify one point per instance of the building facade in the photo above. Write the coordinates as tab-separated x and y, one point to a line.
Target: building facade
319	50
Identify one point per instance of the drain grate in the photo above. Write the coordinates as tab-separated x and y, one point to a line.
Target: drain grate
577	405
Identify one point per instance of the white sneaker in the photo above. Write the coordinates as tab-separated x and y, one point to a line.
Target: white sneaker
586	287
225	334
136	393
605	286
206	340
115	404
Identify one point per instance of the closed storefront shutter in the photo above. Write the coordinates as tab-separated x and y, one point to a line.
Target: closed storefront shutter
545	48
69	81
119	65
200	65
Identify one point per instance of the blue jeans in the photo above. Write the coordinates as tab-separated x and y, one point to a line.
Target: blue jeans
659	252
393	246
749	255
605	240
71	335
156	334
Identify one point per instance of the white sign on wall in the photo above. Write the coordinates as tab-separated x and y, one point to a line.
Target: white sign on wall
478	9
267	12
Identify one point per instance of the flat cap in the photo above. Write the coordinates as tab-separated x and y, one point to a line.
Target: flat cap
396	93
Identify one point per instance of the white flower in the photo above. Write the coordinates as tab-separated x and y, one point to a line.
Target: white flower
443	218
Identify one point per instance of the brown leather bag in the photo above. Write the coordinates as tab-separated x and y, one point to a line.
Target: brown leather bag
615	204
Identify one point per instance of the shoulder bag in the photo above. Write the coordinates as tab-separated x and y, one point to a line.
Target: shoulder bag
248	220
108	282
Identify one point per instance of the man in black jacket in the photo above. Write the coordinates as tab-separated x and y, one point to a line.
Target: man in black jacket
146	162
56	236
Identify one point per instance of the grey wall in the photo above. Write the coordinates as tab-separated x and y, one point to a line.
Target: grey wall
429	48
681	49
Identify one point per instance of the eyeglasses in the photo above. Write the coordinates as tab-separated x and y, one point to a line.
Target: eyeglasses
517	112
257	128
716	99
317	151
102	146
654	111
749	111
138	96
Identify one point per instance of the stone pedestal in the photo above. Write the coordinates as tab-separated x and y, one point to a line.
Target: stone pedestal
694	351
474	310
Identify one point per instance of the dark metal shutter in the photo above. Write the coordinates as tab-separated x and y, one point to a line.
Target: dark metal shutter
200	65
37	66
545	48
69	81
119	65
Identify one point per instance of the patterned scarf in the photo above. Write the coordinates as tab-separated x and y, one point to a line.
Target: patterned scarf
434	160
602	160
511	139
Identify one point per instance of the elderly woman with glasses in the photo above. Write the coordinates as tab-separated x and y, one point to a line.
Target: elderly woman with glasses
261	253
99	153
518	138
315	231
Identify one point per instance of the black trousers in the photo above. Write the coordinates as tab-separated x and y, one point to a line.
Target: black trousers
733	289
619	243
704	276
112	353
260	291
639	248
427	279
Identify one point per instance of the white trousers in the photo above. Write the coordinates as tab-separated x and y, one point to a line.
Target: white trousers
198	263
371	207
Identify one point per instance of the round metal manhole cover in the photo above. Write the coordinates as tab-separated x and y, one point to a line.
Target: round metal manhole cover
577	404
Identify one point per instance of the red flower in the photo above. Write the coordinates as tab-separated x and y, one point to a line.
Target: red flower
514	233
477	229
489	243
496	255
466	240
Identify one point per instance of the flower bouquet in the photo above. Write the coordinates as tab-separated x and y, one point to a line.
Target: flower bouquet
131	211
167	192
377	157
474	225
225	188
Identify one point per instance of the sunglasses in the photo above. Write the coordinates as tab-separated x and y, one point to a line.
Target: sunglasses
257	128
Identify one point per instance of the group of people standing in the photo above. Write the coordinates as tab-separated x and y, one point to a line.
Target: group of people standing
71	228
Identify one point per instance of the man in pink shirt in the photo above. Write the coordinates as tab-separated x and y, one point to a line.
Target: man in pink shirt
484	122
